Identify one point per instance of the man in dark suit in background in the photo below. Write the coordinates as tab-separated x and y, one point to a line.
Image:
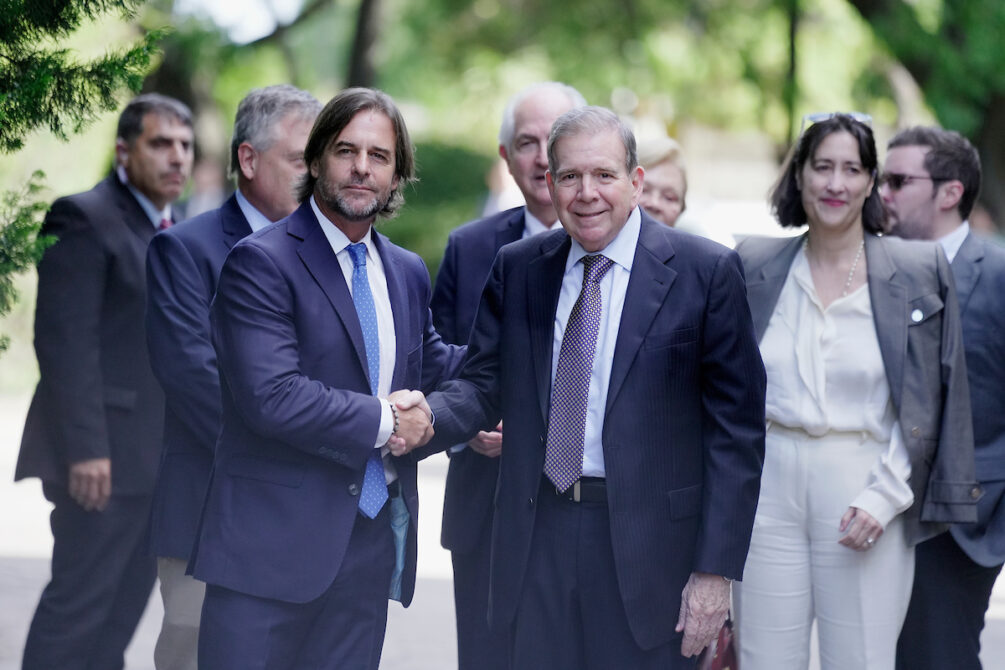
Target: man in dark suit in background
93	430
183	264
319	325
931	179
471	248
633	414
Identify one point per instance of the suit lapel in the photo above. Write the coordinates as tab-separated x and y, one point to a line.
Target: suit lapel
397	294
235	226
319	258
132	213
648	286
967	269
510	229
544	283
889	312
764	284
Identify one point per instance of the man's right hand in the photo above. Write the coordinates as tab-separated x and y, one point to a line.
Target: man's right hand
91	483
488	443
414	426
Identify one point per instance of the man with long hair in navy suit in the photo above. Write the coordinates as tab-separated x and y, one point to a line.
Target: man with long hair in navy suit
621	357
321	325
183	265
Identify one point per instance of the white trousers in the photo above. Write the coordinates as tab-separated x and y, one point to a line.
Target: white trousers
797	572
178	643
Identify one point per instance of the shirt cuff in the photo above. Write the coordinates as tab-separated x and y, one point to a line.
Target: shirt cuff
386	424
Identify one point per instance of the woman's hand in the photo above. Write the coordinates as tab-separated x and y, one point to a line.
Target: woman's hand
863	529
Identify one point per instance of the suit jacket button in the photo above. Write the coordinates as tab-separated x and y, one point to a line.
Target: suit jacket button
354	489
975	492
530	502
915	432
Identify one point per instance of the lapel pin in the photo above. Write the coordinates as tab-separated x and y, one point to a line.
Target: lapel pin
917	316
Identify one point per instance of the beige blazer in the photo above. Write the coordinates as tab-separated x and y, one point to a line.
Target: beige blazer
918	326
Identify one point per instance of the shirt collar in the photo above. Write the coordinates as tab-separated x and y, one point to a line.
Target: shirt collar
255	218
533	225
621	250
155	215
336	238
952	242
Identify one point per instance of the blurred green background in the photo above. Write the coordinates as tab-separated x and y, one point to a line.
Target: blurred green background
730	79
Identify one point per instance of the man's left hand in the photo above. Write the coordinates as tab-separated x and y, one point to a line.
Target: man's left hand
704	605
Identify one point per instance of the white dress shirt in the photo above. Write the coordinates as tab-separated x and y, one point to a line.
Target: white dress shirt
825	373
952	242
533	225
385	318
255	218
621	250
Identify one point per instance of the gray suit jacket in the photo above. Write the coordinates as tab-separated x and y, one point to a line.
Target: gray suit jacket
918	326
979	271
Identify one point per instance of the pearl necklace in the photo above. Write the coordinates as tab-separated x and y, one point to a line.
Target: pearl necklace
854	265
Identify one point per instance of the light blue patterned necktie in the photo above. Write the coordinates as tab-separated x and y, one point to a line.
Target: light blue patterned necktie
374	493
563	459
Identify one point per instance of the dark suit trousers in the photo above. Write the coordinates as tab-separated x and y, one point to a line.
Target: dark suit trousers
946	615
341	629
478	646
570	615
101	581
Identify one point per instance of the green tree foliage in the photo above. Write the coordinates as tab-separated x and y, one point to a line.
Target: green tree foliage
20	247
953	50
42	85
45	86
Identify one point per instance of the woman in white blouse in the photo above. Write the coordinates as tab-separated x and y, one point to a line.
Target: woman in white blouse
869	447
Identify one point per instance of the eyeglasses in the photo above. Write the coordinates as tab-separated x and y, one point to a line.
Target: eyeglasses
810	119
897	181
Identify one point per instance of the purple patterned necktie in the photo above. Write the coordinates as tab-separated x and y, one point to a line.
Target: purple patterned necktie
563	459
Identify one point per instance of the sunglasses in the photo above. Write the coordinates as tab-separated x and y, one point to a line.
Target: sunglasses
810	119
897	181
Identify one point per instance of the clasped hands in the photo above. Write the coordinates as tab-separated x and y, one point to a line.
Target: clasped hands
415	426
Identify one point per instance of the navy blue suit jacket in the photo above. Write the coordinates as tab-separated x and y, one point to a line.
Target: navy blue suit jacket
471	477
97	396
683	434
298	419
183	265
979	271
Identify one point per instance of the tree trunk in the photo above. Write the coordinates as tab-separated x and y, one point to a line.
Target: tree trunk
362	71
991	145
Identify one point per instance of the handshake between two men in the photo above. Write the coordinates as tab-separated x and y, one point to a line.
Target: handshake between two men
413	421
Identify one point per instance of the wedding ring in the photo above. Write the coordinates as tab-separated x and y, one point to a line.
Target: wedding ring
870	541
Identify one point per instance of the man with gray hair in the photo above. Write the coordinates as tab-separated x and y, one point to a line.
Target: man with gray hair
92	434
474	467
183	265
621	357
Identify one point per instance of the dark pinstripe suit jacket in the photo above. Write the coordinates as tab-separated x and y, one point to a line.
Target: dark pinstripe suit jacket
683	433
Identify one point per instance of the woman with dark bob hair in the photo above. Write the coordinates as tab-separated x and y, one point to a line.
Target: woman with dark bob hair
869	445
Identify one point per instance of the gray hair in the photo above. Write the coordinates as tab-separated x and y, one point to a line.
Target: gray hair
592	120
508	127
259	113
131	120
